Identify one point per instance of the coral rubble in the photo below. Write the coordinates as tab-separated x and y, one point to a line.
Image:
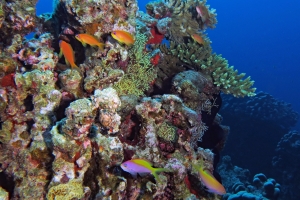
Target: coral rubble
65	132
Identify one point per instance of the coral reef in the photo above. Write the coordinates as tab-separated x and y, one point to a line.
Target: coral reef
17	17
264	108
270	120
64	133
285	165
238	186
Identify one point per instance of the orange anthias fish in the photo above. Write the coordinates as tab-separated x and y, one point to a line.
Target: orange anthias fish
89	39
67	51
141	166
209	180
198	38
123	37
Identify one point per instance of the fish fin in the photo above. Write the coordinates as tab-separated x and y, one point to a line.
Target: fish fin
133	174
67	62
101	46
143	174
74	66
83	44
158	170
60	54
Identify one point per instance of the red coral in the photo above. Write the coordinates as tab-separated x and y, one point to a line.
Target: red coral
8	80
155	59
156	38
189	186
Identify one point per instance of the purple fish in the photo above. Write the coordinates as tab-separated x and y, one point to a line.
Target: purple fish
141	167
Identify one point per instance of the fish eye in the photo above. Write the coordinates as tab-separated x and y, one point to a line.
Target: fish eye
125	165
114	33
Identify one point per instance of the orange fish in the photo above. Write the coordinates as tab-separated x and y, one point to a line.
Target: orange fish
89	39
67	51
123	37
198	38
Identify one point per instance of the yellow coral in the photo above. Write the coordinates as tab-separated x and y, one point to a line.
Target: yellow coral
69	191
139	73
167	132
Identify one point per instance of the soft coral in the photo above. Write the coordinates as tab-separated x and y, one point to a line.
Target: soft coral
156	37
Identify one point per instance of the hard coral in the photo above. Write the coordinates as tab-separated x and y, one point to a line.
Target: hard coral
228	79
67	191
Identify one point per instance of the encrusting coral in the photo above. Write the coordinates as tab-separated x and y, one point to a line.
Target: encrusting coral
67	191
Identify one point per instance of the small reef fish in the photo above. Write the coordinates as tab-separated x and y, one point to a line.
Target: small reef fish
198	38
141	167
202	12
209	180
123	37
67	51
89	39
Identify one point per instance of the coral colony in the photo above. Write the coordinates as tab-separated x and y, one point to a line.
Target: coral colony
96	107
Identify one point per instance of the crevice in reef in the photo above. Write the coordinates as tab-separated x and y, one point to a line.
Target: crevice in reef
91	175
60	112
29	106
29	125
7	183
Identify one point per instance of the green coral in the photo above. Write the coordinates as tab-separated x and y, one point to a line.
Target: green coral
69	191
6	132
140	72
198	57
228	79
191	53
167	132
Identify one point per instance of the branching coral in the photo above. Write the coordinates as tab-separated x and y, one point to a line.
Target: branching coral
199	57
139	73
228	79
191	53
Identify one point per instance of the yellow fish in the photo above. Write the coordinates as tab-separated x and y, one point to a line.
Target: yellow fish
67	51
123	37
89	39
209	180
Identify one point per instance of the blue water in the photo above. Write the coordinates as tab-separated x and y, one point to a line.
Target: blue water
258	37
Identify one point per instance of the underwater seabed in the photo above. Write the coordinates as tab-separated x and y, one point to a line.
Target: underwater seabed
94	106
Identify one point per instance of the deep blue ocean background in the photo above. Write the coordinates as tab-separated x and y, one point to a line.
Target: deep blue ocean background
257	37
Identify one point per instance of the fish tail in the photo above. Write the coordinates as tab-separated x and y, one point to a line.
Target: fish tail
158	170
74	66
60	53
101	46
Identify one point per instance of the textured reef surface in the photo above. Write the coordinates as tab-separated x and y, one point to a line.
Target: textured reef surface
95	87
